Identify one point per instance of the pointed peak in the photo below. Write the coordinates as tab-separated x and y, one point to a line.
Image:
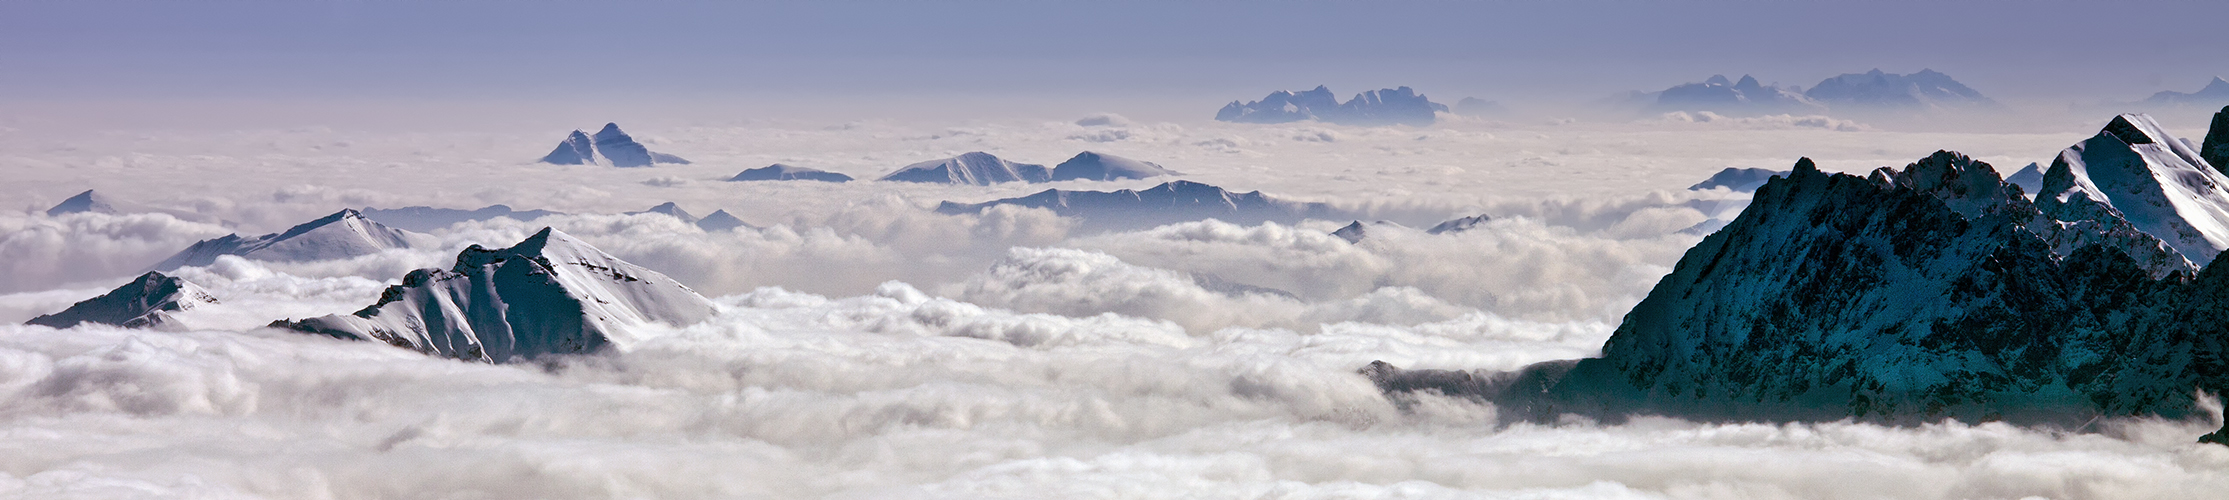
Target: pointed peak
2132	129
609	127
1804	165
87	201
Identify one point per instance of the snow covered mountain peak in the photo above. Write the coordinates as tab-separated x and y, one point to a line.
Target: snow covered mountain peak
2134	170
145	302
343	234
549	294
977	168
609	146
1090	165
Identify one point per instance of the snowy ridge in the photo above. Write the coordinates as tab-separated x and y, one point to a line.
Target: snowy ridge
2134	170
145	302
780	172
1095	166
549	294
976	168
342	235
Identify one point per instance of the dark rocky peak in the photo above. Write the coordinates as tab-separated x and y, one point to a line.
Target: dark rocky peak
2215	149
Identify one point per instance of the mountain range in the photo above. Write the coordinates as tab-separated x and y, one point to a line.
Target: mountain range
1395	106
983	169
2215	92
1176	201
1872	90
780	172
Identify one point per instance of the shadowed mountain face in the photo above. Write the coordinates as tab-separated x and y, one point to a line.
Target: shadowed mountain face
1740	180
145	302
548	295
1935	291
1171	202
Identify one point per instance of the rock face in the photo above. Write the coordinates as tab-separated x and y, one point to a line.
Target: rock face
780	172
1178	201
428	219
1395	106
1740	180
977	168
1925	89
146	302
2134	171
342	235
2215	92
609	146
2215	149
550	294
1734	98
1105	167
1912	295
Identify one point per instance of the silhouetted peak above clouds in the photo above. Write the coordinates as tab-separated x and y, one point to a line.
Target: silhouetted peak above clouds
783	172
1394	106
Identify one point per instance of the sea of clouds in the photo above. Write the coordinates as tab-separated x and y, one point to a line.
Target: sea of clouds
870	348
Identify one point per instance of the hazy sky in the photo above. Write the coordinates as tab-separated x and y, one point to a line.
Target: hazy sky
2051	52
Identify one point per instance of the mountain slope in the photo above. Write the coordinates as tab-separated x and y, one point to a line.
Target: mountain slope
342	235
549	294
1740	180
145	302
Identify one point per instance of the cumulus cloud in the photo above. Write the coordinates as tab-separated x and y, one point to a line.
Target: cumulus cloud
1515	267
39	252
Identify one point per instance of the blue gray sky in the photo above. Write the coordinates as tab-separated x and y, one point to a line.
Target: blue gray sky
2050	52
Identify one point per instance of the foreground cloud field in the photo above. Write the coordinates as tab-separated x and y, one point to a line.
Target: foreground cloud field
868	347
